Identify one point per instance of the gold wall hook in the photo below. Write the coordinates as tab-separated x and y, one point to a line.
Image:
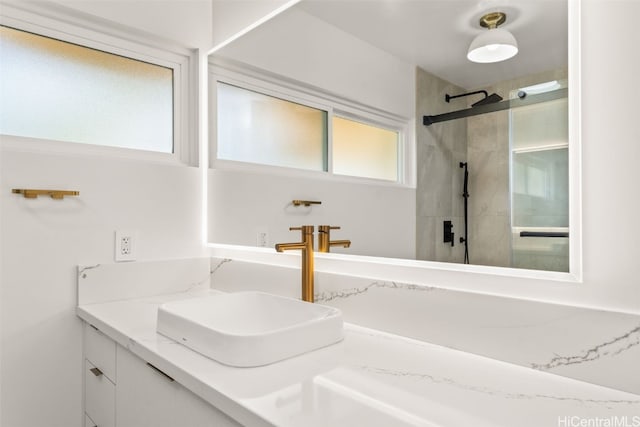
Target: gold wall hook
305	202
55	194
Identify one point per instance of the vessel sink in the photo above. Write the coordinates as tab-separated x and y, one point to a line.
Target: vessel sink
247	329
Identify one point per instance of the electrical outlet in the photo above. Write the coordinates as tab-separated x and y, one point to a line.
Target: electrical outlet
125	245
262	239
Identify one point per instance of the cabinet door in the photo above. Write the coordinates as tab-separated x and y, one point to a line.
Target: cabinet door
147	398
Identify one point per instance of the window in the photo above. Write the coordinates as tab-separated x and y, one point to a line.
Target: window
59	90
255	127
361	149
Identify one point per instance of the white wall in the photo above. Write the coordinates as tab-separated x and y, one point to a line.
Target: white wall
42	242
611	151
302	47
241	204
187	22
232	18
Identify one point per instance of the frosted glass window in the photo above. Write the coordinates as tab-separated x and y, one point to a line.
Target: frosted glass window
56	90
257	128
363	150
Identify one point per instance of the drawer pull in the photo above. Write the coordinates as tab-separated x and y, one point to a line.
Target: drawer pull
160	372
95	371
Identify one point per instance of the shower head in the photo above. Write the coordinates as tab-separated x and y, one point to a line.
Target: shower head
494	97
488	99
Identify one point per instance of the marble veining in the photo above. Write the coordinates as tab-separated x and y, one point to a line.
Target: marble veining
612	347
371	378
82	270
328	296
107	282
608	403
555	338
216	267
188	287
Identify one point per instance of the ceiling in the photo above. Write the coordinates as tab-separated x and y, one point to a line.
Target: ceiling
435	34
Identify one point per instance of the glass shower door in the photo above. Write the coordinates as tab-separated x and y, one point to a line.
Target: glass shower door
540	186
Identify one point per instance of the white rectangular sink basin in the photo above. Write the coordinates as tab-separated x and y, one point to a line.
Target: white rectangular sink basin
247	329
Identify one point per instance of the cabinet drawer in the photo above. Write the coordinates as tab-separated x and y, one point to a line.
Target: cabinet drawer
100	397
148	398
100	350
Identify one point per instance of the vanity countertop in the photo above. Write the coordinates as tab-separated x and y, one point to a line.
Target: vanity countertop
369	379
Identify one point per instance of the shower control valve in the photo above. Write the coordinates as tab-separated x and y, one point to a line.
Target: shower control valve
448	233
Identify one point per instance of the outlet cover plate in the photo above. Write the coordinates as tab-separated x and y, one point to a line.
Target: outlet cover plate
125	245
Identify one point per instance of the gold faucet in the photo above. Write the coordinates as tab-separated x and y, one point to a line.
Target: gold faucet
324	239
306	246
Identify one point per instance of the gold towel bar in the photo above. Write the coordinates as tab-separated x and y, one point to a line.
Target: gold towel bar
55	194
305	202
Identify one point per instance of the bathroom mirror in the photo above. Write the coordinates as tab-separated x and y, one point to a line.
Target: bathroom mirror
389	65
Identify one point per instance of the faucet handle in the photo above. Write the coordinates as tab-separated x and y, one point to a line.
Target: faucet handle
326	228
306	229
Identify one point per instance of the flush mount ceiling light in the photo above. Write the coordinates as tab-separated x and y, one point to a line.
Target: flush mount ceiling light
494	45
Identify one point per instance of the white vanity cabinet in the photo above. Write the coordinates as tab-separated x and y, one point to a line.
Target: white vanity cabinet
99	378
146	397
126	391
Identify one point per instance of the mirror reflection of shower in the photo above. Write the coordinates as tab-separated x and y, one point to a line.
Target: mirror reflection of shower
540	183
514	154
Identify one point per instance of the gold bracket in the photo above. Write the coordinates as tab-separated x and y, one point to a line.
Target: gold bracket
55	194
305	202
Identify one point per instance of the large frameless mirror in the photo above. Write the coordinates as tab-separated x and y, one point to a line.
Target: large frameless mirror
476	163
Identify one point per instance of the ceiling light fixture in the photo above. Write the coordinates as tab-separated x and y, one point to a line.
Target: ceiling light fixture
494	45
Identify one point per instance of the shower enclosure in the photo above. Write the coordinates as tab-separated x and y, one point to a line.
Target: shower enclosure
516	151
540	186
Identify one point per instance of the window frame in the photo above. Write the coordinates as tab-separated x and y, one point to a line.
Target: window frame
58	23
253	79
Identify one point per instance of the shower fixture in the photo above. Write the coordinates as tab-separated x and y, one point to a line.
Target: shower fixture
465	195
492	103
494	45
488	99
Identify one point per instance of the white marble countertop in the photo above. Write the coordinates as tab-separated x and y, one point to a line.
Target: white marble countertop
369	379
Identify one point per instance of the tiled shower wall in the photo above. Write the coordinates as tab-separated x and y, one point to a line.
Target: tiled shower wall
440	149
